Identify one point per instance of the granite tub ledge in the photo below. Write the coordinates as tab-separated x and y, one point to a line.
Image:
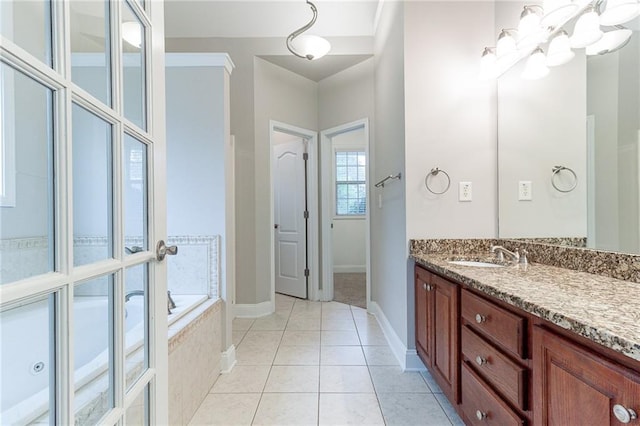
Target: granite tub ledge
602	309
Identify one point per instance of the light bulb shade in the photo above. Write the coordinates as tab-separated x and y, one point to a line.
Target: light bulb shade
557	12
587	30
618	12
610	42
536	66
530	33
506	48
559	50
311	46
488	64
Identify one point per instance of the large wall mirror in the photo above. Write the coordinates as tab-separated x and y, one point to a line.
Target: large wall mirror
569	146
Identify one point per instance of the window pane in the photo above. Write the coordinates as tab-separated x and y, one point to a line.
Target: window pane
341	173
362	159
352	158
26	201
93	349
27	360
352	173
92	188
90	53
136	327
342	207
137	413
353	191
342	190
135	195
341	158
28	24
134	73
361	173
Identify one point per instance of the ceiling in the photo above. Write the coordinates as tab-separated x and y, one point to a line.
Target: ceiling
264	18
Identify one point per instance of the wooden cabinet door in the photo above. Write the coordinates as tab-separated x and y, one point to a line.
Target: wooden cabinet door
424	315
573	385
445	336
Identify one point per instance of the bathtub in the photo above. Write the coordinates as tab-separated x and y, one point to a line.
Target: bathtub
26	365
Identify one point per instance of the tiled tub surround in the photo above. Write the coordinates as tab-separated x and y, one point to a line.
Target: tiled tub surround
602	309
195	352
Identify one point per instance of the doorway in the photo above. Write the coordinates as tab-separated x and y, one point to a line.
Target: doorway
294	211
345	211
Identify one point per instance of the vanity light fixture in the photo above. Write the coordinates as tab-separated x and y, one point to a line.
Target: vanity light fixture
559	52
557	11
587	29
530	33
306	46
506	47
619	11
488	64
610	42
536	66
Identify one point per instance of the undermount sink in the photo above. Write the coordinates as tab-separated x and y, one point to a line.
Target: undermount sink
475	263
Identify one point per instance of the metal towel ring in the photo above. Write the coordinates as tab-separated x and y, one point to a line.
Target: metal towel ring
434	172
558	169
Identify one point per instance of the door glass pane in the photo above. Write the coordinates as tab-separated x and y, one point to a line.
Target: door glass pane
136	333
93	349
26	360
92	188
137	413
134	73
90	53
26	177
135	195
28	24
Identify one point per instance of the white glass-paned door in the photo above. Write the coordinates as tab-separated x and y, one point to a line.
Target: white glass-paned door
83	300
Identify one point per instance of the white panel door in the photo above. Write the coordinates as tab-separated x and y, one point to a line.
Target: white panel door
290	223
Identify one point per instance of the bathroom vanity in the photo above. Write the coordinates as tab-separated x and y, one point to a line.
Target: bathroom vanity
533	344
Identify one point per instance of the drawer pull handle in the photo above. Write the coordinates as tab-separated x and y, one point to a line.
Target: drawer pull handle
424	286
427	287
480	360
624	414
480	318
480	415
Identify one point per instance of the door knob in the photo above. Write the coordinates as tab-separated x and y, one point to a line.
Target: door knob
276	226
481	415
481	360
163	250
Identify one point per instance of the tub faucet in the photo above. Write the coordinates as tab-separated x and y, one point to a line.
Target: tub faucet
170	303
501	251
130	294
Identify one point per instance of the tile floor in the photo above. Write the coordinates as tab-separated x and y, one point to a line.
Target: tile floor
314	363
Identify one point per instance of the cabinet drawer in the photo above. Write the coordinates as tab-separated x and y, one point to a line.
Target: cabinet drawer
503	327
497	369
481	405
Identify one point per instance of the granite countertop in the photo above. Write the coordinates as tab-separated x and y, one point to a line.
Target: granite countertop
602	309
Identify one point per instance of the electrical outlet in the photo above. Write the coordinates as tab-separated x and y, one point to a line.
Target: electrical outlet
524	190
465	191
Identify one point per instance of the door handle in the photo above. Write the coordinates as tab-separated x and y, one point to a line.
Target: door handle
163	250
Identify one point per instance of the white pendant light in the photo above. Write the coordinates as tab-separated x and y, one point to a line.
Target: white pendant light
488	64
559	50
506	48
536	67
308	46
618	12
587	29
530	33
610	42
557	12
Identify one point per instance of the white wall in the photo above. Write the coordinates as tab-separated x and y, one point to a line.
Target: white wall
387	156
541	124
349	233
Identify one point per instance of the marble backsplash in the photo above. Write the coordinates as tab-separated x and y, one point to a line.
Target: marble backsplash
195	270
610	264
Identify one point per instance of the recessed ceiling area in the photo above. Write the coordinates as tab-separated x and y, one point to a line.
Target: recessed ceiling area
339	21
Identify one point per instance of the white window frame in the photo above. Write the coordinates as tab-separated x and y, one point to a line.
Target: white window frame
336	215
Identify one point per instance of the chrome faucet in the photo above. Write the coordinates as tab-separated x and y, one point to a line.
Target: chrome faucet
170	303
501	251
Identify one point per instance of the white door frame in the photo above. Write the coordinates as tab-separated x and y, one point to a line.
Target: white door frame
312	204
326	137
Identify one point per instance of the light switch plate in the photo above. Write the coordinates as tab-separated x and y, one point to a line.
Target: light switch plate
524	190
465	191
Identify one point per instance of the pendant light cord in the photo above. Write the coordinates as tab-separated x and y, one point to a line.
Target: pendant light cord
302	29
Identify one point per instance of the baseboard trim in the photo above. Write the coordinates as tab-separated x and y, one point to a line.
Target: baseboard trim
349	269
253	310
414	363
228	360
397	347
